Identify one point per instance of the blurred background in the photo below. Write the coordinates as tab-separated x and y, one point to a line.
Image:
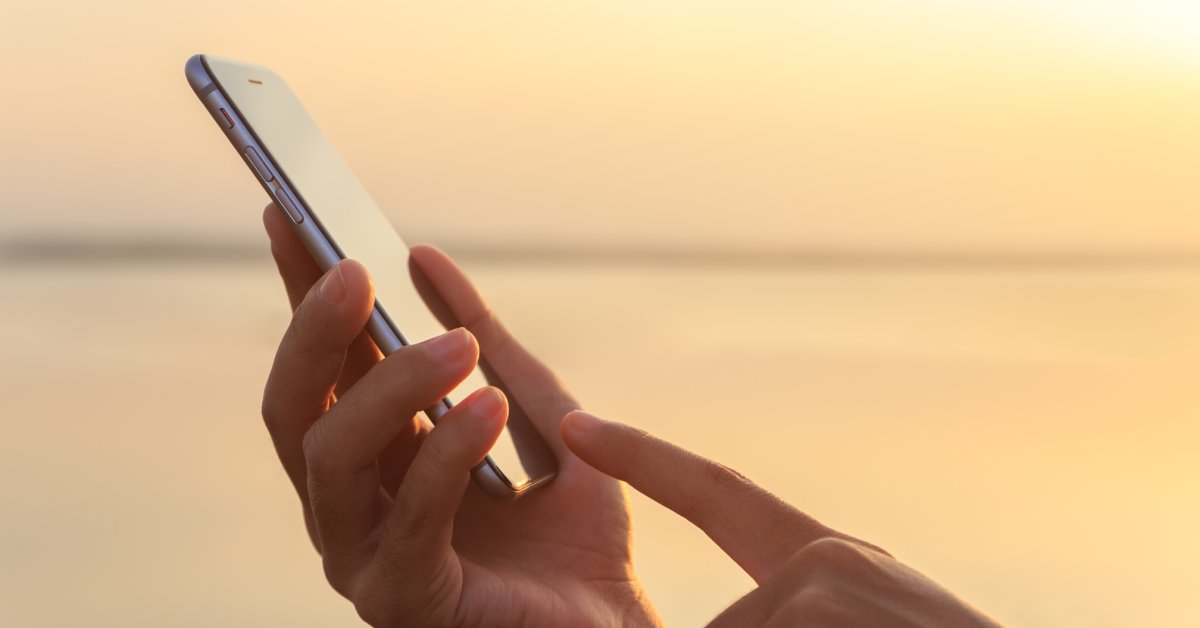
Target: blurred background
929	270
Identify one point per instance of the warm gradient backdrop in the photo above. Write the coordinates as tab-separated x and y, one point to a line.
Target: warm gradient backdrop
930	270
755	123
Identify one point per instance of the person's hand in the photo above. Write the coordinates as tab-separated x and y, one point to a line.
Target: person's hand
808	574
402	531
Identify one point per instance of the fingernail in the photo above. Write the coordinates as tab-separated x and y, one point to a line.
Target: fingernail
448	347
581	421
485	403
333	287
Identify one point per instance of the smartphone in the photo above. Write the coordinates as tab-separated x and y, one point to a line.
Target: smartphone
336	219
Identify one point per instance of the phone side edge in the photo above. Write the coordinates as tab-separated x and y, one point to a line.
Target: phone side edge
207	88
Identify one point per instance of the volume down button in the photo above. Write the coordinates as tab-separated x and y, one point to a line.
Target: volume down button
260	166
285	201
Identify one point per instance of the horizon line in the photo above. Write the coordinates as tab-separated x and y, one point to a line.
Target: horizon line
55	250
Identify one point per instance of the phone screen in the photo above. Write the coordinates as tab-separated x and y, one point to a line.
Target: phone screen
357	228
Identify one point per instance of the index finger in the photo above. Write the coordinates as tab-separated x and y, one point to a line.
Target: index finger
297	268
756	529
299	272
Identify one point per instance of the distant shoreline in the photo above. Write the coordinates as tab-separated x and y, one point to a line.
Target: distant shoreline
41	251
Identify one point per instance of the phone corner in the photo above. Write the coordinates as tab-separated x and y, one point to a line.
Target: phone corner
498	487
197	75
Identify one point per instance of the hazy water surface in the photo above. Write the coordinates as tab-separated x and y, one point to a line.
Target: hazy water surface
1027	438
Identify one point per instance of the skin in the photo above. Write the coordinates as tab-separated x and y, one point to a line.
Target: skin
407	537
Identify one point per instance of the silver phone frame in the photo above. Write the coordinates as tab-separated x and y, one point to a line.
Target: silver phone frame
384	331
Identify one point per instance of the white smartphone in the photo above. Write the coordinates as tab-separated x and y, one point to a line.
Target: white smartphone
336	219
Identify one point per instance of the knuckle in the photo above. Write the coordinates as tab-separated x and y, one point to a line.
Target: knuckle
412	520
500	342
270	413
310	525
485	315
380	600
441	453
305	331
831	549
494	339
295	332
370	611
317	453
403	370
640	444
722	477
871	547
385	597
835	558
336	576
640	441
379	609
719	482
416	520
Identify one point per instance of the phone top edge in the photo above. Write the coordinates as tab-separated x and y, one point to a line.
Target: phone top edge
203	79
197	75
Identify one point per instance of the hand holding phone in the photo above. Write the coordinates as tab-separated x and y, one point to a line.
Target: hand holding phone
402	532
399	544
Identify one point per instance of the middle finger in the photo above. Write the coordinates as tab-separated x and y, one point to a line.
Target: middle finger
343	447
309	359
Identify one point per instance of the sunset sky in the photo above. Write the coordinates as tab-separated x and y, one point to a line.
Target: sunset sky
988	124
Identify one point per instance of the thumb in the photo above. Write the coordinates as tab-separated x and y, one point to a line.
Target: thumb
756	529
